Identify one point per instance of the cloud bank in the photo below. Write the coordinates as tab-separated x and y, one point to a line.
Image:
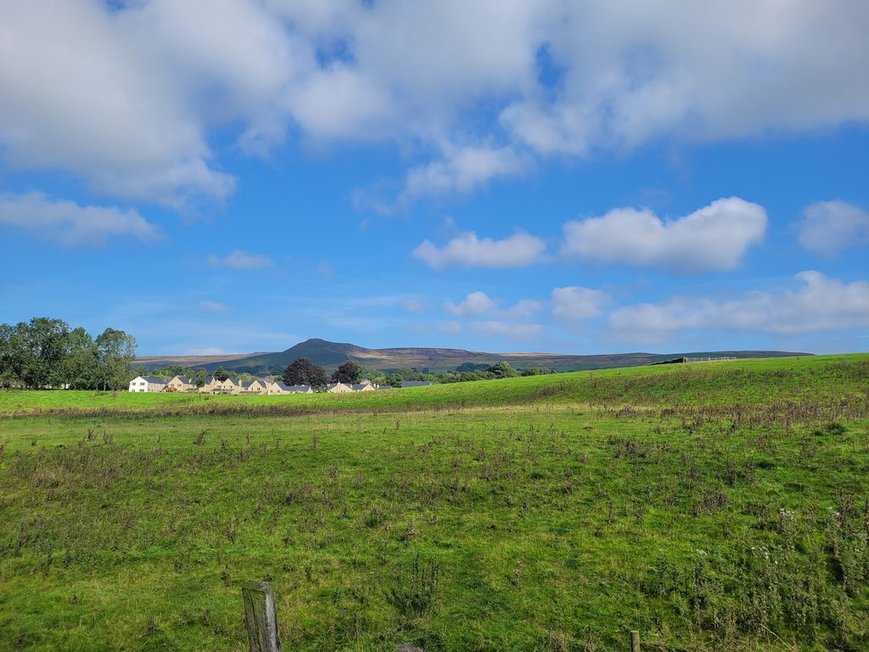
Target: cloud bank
819	303
143	108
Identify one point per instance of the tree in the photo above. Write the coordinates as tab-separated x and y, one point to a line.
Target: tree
348	372
221	374
304	372
501	370
394	380
80	366
116	351
39	348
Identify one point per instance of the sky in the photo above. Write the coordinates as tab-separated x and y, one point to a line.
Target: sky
231	176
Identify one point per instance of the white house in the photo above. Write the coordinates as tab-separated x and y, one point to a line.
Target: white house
147	384
338	388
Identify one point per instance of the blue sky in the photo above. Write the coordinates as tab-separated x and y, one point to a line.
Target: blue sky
521	175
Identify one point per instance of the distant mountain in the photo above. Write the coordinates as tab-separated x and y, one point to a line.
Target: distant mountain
331	354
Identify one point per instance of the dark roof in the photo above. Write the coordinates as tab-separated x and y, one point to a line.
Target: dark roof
416	383
156	380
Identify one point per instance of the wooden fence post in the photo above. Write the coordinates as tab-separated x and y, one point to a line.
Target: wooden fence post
635	641
259	616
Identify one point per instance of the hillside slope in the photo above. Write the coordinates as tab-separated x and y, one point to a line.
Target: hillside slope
331	354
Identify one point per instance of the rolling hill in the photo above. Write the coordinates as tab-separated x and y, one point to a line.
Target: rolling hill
331	354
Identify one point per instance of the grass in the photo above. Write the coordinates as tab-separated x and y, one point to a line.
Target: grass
717	506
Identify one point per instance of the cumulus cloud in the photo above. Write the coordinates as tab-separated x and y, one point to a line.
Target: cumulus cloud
830	226
71	224
572	304
713	238
241	260
467	250
510	330
462	170
476	303
510	323
135	112
819	303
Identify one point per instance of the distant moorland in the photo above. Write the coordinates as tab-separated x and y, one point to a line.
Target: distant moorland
434	360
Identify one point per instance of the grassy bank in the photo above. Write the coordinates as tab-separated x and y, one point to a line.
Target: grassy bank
717	506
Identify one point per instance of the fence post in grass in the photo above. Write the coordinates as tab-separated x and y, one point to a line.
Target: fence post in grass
259	616
635	641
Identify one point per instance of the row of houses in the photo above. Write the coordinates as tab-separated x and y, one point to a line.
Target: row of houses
213	385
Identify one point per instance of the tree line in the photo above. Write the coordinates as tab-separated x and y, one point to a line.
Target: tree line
46	353
304	372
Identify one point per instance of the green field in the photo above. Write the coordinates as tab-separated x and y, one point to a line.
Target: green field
709	506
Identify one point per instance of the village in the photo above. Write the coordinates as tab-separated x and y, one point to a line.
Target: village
259	386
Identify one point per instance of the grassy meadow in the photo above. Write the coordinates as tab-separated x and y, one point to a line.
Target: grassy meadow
710	506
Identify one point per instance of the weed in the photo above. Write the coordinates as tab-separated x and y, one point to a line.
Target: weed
414	588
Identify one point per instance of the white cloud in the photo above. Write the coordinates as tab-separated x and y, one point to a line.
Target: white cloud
71	224
467	250
152	84
114	113
634	70
712	238
476	303
241	260
830	226
571	304
461	170
511	330
819	303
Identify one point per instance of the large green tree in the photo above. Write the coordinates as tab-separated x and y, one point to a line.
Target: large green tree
80	367
39	348
116	351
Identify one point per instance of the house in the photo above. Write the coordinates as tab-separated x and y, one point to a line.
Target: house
254	386
147	384
180	384
338	388
416	383
208	384
363	387
214	386
280	387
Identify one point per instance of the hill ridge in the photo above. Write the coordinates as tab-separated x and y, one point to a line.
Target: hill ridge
434	359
